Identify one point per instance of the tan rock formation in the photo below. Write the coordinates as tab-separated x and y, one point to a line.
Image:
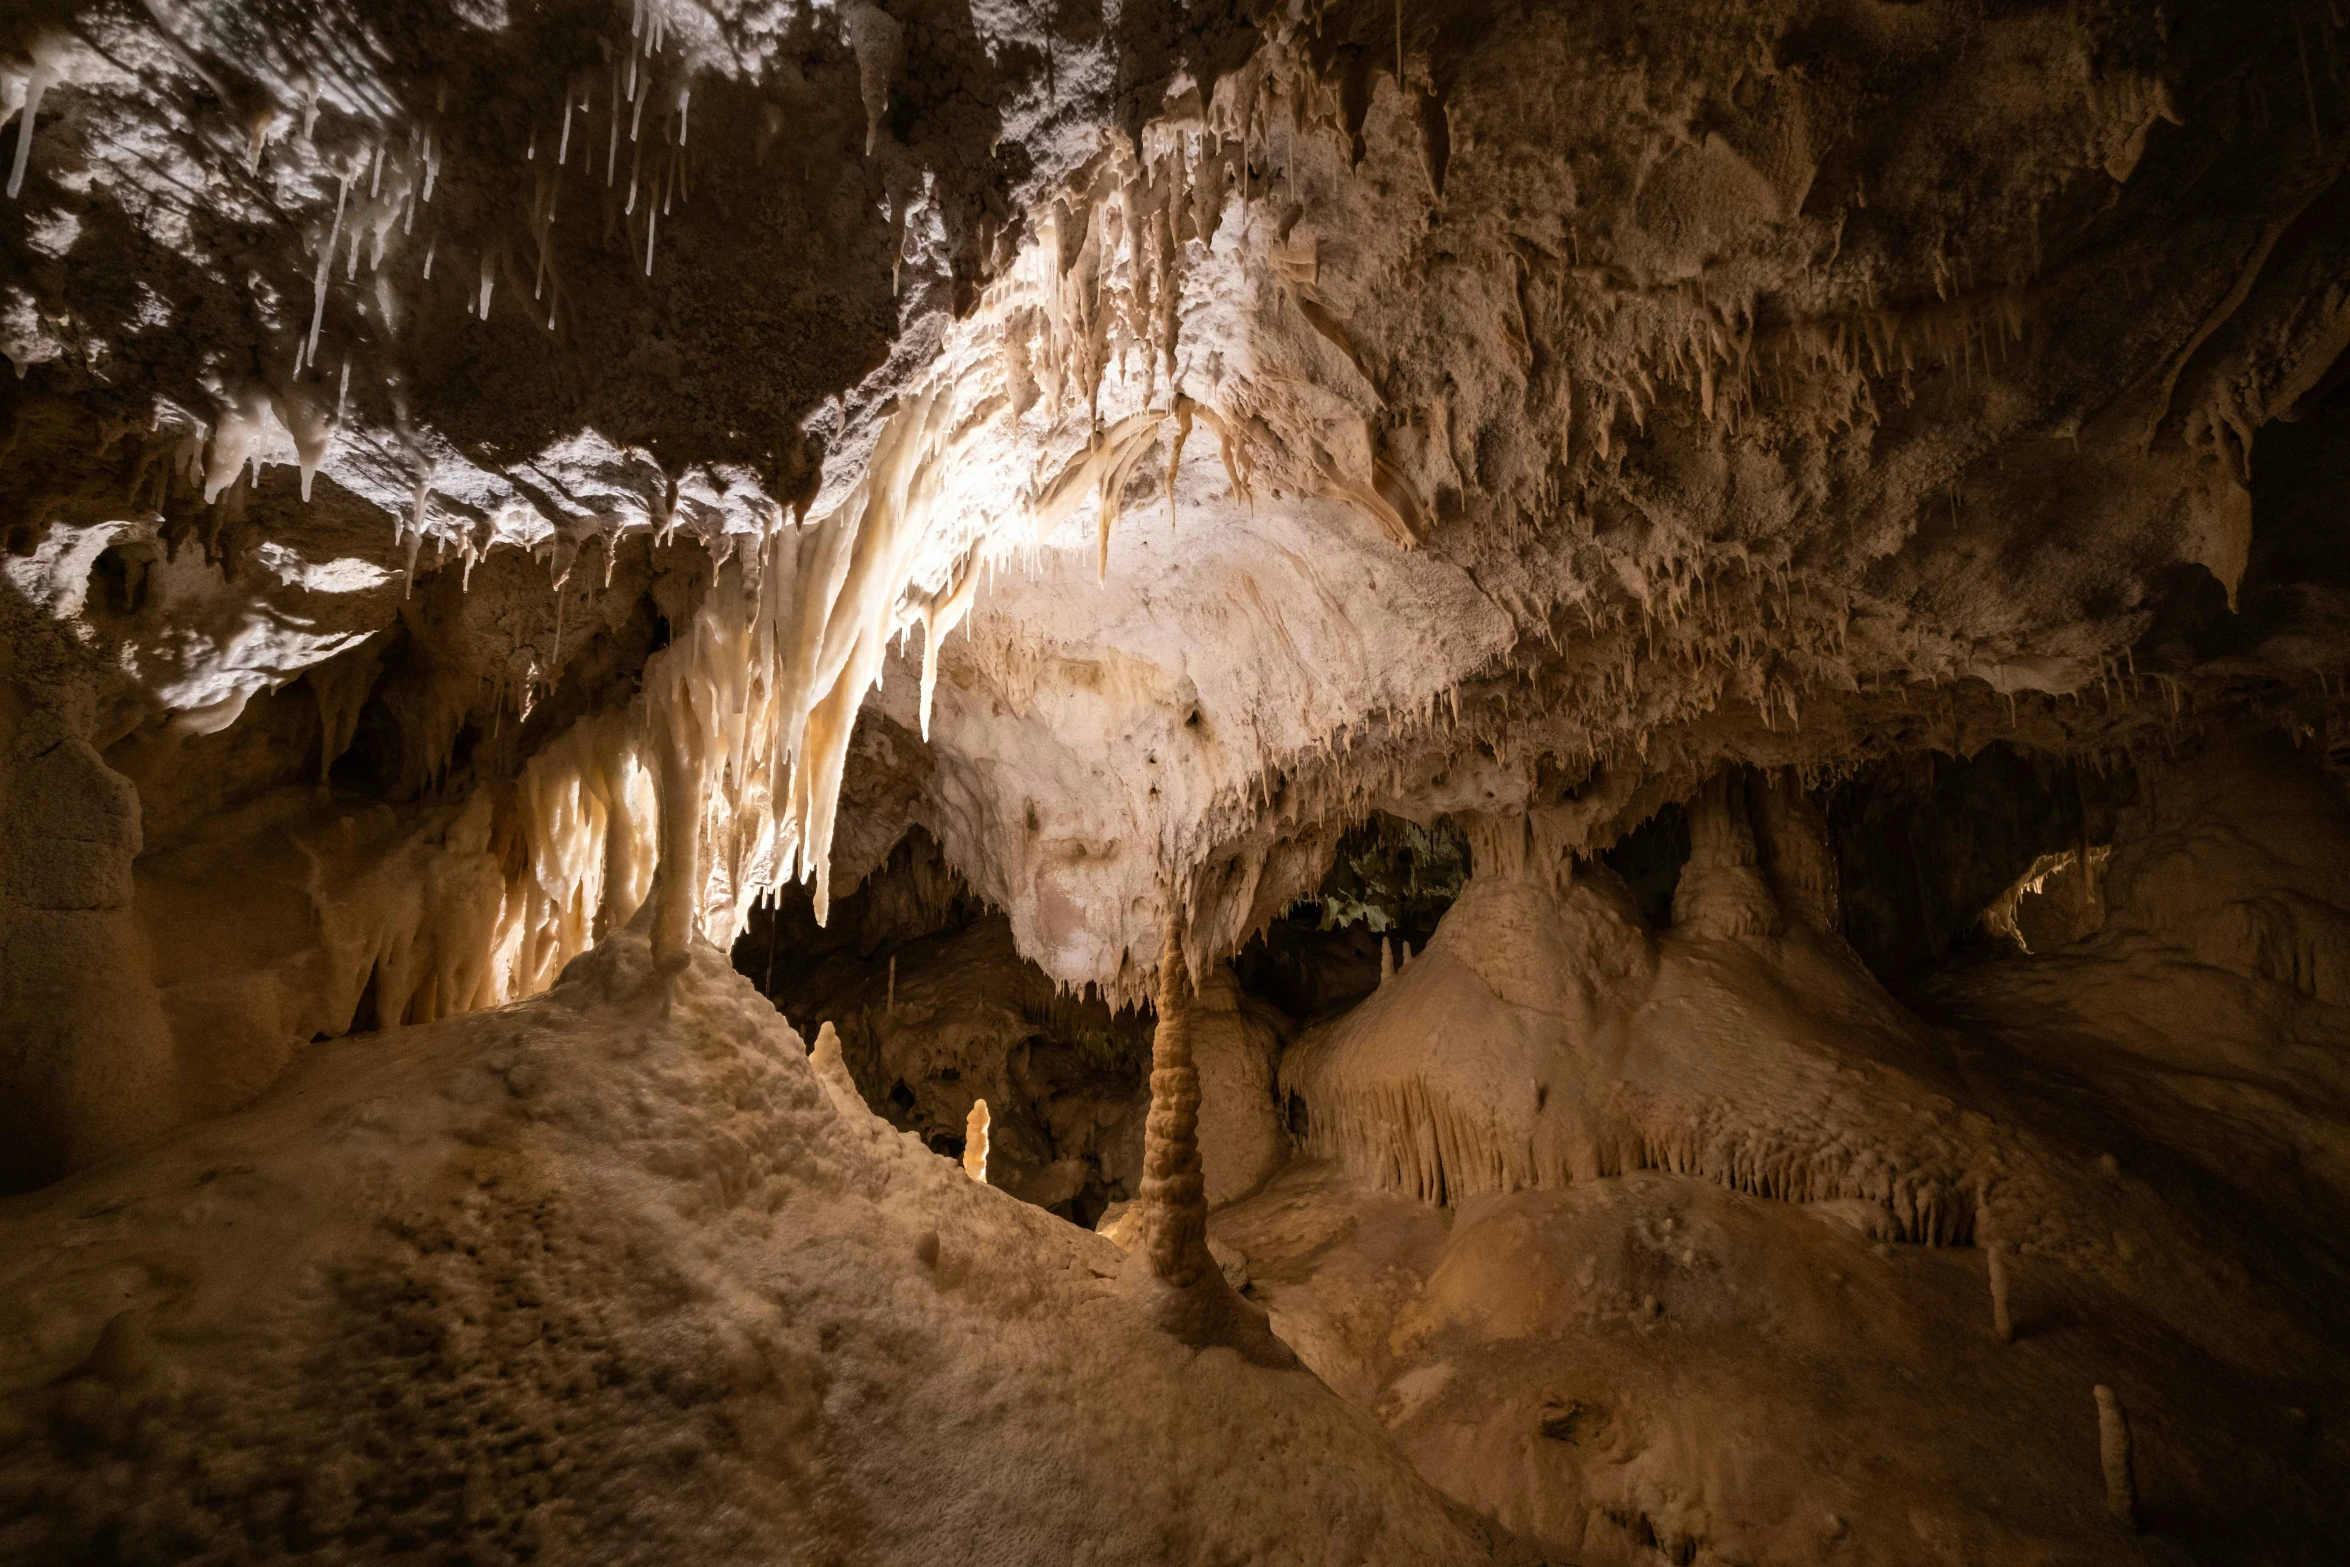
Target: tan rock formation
975	1142
1698	650
1171	1272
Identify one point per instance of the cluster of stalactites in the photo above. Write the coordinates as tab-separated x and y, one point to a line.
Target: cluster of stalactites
626	128
1104	287
1100	298
585	812
749	715
720	782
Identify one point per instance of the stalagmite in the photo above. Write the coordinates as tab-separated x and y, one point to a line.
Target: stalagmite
1722	893
1174	1204
832	1070
1399	1090
1172	1272
1386	959
2113	1451
975	1142
890	1005
1995	1257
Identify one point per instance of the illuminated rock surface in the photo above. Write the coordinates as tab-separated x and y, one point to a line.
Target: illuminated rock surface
1714	635
607	1275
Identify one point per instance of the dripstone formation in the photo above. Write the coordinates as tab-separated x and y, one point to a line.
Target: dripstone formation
881	782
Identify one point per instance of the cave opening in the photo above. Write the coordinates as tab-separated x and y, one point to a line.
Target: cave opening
1389	883
1649	858
936	1009
1928	844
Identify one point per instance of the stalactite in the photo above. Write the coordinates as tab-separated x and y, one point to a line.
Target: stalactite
37	84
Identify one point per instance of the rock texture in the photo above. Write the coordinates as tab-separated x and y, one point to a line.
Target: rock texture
1614	1118
1525	413
1772	572
610	1273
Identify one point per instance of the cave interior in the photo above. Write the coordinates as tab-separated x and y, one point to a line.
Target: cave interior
1256	781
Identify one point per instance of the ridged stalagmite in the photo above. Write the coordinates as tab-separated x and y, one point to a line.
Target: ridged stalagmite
1174	1196
1172	1273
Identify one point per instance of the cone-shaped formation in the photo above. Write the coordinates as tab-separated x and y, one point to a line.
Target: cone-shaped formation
1722	893
1172	1273
832	1070
1174	1194
1995	1263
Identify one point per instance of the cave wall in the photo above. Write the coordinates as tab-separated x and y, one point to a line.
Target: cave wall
88	1055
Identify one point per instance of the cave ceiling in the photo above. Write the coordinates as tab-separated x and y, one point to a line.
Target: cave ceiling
1138	445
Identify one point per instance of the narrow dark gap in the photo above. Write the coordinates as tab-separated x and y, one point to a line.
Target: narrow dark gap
1926	842
365	1018
1649	858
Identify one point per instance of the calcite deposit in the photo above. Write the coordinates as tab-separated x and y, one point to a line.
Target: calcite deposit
874	781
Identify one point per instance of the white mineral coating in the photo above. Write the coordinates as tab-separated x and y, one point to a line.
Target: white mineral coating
1430	388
